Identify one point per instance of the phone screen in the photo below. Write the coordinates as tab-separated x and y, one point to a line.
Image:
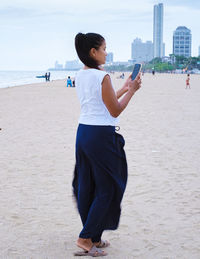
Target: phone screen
136	70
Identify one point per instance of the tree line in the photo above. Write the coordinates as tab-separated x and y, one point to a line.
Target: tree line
156	64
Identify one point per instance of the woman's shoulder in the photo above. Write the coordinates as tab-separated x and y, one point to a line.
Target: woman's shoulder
100	74
91	72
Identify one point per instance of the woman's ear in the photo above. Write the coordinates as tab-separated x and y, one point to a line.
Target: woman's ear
93	52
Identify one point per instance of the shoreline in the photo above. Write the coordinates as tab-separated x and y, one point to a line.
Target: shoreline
116	74
35	84
18	78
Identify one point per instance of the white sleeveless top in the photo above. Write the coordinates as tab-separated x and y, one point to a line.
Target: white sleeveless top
88	84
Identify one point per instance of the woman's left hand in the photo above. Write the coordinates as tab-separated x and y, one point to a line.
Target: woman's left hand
126	85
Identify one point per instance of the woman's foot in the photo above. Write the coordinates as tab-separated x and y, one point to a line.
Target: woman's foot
89	248
84	243
94	252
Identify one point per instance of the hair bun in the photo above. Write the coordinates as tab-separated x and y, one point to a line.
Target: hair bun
81	36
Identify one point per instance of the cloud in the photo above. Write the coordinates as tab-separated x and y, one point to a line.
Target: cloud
191	4
15	12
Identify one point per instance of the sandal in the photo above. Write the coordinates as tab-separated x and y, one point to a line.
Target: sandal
94	252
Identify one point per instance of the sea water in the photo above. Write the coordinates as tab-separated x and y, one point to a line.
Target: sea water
15	78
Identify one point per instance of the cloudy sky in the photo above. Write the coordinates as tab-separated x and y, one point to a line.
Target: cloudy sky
36	33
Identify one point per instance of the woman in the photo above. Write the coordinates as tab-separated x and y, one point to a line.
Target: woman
101	170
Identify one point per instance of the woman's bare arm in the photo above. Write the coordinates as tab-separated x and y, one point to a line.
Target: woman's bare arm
110	99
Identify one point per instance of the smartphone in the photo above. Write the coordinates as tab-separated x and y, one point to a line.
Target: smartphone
136	70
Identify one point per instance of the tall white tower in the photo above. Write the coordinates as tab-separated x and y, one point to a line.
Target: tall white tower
158	31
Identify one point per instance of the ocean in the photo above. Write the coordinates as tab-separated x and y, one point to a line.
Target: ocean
15	78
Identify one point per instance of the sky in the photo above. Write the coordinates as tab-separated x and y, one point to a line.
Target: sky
36	33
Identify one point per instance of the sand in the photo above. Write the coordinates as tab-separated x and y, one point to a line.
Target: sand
161	207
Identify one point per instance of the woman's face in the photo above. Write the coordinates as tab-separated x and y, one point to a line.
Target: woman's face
100	54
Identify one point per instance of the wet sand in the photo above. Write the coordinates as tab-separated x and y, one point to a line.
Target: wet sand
161	207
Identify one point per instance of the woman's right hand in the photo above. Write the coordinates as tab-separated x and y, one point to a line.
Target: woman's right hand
134	85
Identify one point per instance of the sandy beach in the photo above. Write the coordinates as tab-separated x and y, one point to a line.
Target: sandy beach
161	207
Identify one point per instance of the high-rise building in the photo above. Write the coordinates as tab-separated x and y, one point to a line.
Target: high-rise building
109	58
158	31
182	40
141	51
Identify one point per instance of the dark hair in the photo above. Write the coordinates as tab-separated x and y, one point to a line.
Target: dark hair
84	43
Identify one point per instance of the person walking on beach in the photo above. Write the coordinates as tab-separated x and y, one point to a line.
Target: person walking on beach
188	82
100	173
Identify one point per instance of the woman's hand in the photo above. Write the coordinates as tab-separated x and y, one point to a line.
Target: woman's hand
134	85
125	86
129	84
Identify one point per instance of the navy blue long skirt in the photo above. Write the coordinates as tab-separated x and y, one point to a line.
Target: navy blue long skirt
100	178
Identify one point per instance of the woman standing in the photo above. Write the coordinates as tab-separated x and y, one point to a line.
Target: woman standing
100	174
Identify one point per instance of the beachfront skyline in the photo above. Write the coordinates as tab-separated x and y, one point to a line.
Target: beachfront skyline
36	33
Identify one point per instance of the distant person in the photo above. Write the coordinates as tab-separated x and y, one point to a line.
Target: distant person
48	76
73	83
153	72
69	82
188	82
122	76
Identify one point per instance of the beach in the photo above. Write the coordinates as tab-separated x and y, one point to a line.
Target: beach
161	206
